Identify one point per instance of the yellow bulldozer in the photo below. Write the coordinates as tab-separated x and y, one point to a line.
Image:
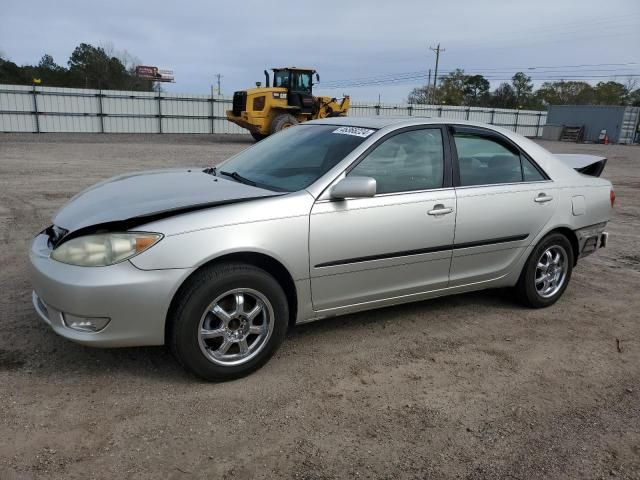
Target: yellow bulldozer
269	109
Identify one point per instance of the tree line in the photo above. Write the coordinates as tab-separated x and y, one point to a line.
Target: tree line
87	67
458	88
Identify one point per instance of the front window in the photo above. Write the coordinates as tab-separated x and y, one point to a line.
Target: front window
408	161
294	158
281	78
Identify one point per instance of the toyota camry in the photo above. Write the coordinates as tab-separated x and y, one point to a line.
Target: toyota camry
326	218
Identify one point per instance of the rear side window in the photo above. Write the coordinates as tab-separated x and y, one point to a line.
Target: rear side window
485	161
530	172
409	161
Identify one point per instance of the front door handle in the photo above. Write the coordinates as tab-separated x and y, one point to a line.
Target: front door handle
543	198
440	209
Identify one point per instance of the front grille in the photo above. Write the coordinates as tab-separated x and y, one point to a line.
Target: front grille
239	102
55	235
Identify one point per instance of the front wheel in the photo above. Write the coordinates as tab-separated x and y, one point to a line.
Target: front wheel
283	121
547	272
229	320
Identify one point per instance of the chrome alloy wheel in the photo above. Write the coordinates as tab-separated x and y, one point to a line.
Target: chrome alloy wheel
551	271
235	327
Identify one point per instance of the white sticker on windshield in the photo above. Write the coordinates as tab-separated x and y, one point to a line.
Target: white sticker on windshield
355	131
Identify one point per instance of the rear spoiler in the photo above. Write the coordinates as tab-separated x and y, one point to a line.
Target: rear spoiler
588	164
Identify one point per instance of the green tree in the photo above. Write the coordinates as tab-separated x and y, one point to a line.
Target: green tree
522	86
10	73
610	93
421	95
453	88
50	72
89	66
96	69
565	93
476	89
504	96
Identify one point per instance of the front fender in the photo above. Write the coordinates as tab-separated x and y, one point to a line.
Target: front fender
284	239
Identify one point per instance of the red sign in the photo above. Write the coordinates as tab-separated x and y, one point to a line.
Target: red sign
154	73
146	72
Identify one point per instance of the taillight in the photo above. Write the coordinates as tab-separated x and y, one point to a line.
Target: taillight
612	197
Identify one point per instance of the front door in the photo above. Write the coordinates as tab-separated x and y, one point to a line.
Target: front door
395	244
504	200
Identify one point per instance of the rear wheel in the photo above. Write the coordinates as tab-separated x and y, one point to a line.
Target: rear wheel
283	121
547	272
230	319
258	136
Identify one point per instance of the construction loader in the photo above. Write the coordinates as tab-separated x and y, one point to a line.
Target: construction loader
269	109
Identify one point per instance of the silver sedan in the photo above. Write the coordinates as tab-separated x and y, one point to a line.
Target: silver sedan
326	218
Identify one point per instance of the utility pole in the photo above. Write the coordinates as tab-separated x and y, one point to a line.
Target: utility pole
218	78
435	74
428	89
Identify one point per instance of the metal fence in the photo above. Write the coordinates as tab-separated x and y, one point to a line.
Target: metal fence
52	109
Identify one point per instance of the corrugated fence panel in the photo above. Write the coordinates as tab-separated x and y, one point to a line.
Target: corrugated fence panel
16	107
133	104
114	111
124	124
186	125
17	123
69	124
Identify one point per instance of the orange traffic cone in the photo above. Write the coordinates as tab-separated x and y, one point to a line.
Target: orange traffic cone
606	139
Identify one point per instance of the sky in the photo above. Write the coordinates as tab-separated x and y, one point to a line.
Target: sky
367	49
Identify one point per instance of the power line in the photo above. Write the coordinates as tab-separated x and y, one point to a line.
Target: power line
534	72
510	68
396	81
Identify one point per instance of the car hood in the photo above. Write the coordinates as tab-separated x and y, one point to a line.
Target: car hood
138	197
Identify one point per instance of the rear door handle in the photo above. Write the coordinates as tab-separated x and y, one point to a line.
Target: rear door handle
543	198
440	209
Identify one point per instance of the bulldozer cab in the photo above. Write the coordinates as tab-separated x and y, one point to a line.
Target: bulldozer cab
299	85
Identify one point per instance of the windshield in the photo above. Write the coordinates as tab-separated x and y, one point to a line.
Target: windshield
281	78
294	158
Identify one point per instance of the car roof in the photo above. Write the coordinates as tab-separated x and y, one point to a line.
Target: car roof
382	122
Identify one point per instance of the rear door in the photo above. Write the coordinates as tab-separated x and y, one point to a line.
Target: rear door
397	243
504	200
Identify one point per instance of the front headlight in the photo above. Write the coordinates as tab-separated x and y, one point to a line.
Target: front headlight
104	249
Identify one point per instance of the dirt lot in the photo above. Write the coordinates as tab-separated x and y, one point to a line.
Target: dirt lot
471	386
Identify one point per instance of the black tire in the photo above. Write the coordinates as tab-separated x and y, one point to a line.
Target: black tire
283	121
526	289
195	298
258	136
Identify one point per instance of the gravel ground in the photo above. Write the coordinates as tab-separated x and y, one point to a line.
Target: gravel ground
471	386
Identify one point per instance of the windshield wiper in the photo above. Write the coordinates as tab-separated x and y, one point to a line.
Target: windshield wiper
210	171
239	178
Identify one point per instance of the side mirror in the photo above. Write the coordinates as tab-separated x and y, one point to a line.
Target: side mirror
317	77
354	187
